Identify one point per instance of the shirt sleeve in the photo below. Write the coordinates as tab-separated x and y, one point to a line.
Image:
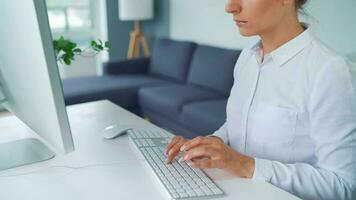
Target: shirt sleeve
332	113
222	133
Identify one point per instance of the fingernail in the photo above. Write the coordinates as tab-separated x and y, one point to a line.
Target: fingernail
166	161
185	157
182	148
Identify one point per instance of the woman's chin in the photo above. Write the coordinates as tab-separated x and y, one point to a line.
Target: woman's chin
246	33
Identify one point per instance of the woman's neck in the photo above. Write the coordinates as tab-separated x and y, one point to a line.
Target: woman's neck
280	35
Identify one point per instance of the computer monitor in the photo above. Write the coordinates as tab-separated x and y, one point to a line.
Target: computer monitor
30	82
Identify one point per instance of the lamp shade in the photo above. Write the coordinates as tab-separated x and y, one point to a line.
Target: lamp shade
130	10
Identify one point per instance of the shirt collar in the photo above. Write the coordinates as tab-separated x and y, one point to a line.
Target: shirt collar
288	50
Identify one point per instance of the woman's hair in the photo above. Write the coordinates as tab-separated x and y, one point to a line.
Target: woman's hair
300	3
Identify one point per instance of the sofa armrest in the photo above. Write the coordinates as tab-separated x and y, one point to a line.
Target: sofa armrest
130	66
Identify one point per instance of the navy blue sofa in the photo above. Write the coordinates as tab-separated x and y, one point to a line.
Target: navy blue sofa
182	87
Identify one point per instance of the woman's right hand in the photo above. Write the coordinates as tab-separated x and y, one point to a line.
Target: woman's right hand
173	148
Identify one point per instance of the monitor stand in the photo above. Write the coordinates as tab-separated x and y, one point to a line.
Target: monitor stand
23	152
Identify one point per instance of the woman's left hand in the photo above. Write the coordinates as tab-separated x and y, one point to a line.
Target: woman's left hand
211	152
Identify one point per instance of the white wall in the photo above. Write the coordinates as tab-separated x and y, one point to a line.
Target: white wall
205	21
334	22
101	32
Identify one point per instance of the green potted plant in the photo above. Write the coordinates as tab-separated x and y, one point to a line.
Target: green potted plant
66	50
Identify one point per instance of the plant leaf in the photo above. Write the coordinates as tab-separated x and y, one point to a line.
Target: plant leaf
93	43
72	45
67	61
77	50
107	44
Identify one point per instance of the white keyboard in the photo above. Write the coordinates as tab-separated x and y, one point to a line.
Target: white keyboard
179	179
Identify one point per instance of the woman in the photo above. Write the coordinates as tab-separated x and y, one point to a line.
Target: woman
291	114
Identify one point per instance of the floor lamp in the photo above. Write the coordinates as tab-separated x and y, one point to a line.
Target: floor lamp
136	10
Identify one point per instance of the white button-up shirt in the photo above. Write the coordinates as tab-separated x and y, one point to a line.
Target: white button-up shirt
295	113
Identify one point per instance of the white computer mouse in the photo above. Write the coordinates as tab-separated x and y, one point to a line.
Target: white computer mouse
114	131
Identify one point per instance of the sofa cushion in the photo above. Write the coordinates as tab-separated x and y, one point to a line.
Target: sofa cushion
120	89
126	66
204	117
171	59
213	68
168	100
171	125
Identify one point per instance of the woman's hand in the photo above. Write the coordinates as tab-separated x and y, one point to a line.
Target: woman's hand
211	152
173	147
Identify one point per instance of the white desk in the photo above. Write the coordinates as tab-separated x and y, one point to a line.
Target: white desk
103	169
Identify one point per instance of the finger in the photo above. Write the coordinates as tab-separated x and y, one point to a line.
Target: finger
216	137
200	151
174	151
174	141
196	142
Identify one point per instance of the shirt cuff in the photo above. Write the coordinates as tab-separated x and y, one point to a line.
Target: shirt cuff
263	170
